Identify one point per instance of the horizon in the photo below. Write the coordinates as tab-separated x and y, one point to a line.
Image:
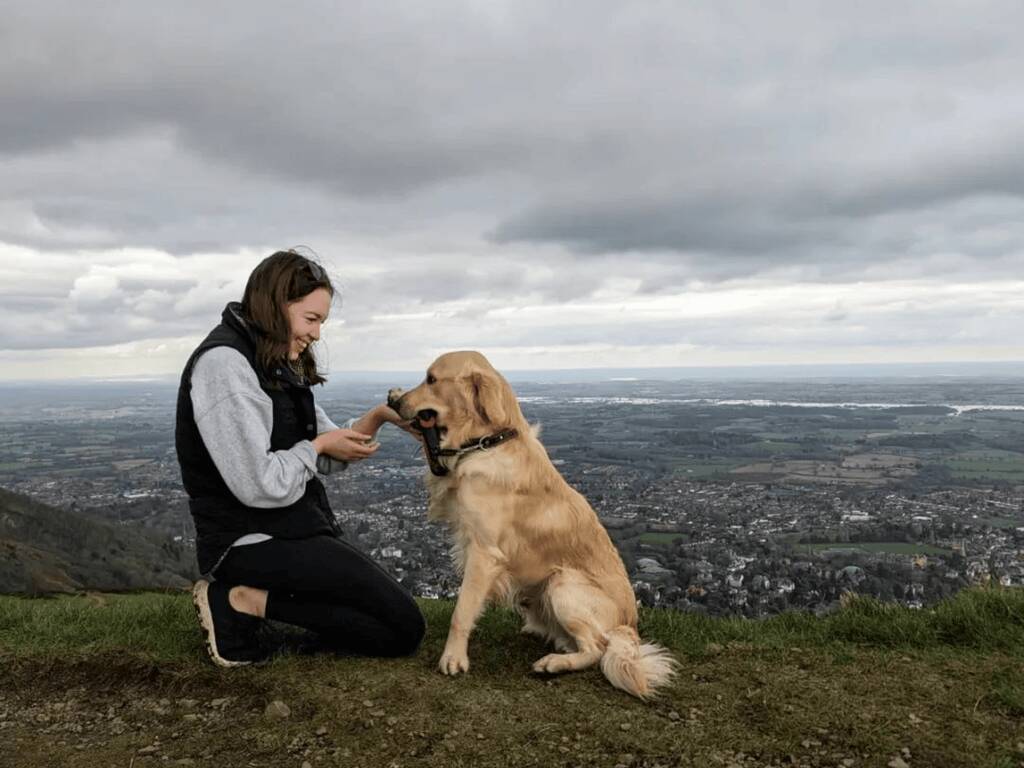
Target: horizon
1001	369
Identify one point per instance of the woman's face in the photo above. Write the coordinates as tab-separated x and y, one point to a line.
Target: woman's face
305	316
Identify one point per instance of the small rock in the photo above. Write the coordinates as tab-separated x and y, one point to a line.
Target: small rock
906	753
915	719
148	750
673	715
848	762
625	726
377	713
321	731
277	709
218	703
367	703
307	764
392	720
898	762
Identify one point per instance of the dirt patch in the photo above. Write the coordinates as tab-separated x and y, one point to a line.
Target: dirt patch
738	706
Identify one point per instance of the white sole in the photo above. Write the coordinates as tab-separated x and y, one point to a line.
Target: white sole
202	606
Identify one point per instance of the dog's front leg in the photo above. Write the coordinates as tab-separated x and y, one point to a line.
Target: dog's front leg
481	569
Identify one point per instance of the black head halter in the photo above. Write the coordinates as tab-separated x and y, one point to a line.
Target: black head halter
435	451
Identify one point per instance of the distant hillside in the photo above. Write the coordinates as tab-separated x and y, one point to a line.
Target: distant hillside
43	549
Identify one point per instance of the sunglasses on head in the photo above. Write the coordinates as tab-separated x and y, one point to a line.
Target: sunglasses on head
316	271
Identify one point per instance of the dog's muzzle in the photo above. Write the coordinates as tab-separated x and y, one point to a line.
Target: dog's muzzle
426	424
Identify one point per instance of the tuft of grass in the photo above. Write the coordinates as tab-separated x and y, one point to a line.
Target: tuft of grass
162	625
792	689
157	625
1008	690
983	618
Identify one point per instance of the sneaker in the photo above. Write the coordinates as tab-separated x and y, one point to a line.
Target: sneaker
231	636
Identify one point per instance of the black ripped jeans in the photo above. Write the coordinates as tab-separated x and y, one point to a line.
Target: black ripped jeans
327	585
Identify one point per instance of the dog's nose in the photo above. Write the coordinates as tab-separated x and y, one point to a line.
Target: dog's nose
395	398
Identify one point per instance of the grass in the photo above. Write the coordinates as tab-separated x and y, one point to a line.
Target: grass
705	468
987	465
891	547
998	522
160	626
863	683
767	447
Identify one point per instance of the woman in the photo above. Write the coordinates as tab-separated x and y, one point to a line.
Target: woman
250	442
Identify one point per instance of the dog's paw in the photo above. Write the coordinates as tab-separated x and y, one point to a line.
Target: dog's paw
454	662
552	664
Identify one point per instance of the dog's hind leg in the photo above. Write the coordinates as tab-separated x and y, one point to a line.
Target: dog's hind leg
579	611
535	623
532	623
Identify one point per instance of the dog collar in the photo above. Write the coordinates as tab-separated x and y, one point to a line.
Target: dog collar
480	443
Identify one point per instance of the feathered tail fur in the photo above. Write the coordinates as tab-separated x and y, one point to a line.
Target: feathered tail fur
637	668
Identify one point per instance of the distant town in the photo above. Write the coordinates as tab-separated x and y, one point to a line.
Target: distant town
739	498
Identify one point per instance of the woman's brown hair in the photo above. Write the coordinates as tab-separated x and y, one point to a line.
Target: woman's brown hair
277	281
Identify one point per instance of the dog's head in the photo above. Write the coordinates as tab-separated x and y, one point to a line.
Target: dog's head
462	397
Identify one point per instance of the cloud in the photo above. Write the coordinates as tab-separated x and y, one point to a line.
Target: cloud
455	162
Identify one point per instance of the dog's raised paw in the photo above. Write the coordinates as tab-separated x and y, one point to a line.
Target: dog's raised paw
453	663
552	664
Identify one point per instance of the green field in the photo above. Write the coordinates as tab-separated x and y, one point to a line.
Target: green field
987	465
769	448
702	469
99	679
655	537
999	522
891	547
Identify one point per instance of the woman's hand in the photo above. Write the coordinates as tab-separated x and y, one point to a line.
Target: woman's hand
345	444
391	416
372	420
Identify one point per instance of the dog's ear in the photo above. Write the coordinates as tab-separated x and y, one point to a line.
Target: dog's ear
488	399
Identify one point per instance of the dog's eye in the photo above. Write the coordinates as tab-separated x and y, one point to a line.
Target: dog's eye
431	379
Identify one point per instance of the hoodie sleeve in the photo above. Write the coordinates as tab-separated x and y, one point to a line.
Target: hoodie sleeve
235	418
326	464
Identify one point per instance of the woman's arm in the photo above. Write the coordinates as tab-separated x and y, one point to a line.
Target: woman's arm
235	417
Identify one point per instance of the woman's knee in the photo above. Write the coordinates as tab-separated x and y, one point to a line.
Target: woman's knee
408	632
415	630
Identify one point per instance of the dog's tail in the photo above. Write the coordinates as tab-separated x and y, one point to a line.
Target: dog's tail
638	669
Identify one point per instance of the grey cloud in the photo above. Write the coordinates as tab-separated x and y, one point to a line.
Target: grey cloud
670	143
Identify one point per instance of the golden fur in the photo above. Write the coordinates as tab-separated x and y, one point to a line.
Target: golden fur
523	536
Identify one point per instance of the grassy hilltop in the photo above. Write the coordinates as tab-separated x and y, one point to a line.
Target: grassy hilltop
122	680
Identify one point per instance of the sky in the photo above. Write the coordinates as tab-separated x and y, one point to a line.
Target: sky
558	185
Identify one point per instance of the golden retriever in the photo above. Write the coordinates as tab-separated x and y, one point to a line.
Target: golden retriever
523	536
